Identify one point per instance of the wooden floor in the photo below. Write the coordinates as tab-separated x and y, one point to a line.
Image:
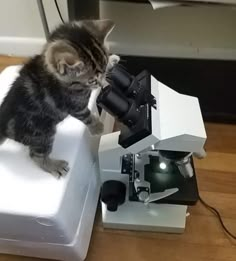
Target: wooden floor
204	239
9	60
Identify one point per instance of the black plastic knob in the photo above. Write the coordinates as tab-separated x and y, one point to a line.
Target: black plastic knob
113	194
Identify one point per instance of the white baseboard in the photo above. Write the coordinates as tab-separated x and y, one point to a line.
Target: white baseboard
21	46
30	46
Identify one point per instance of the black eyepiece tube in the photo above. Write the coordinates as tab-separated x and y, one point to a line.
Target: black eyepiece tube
121	78
112	101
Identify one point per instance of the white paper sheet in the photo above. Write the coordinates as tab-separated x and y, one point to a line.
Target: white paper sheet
162	4
157	4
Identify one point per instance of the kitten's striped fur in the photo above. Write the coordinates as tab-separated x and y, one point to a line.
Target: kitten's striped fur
55	84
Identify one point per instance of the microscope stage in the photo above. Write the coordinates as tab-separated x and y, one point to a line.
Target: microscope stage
164	176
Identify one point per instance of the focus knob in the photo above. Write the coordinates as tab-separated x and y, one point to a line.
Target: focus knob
113	194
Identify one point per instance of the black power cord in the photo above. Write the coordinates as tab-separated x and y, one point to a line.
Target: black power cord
59	12
217	214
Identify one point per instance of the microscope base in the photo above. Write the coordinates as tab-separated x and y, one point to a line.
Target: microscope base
153	217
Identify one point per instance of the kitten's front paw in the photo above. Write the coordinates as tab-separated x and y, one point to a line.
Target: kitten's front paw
96	128
57	168
114	59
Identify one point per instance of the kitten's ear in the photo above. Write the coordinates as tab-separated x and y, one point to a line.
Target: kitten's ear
61	56
100	28
68	62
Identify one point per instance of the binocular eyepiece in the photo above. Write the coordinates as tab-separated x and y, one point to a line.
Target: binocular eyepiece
119	97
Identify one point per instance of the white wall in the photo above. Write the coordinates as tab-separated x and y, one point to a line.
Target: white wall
21	31
200	32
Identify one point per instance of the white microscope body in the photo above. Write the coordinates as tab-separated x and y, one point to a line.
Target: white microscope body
133	162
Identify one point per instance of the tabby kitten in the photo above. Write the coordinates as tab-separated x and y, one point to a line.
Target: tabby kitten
55	84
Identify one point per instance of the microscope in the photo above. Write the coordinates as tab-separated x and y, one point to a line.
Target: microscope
147	171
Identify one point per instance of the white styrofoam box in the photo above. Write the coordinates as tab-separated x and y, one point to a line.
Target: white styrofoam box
40	215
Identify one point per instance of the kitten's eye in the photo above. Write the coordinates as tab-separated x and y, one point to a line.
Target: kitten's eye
92	81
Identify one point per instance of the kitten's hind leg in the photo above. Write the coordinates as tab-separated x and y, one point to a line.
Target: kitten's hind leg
57	168
40	155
